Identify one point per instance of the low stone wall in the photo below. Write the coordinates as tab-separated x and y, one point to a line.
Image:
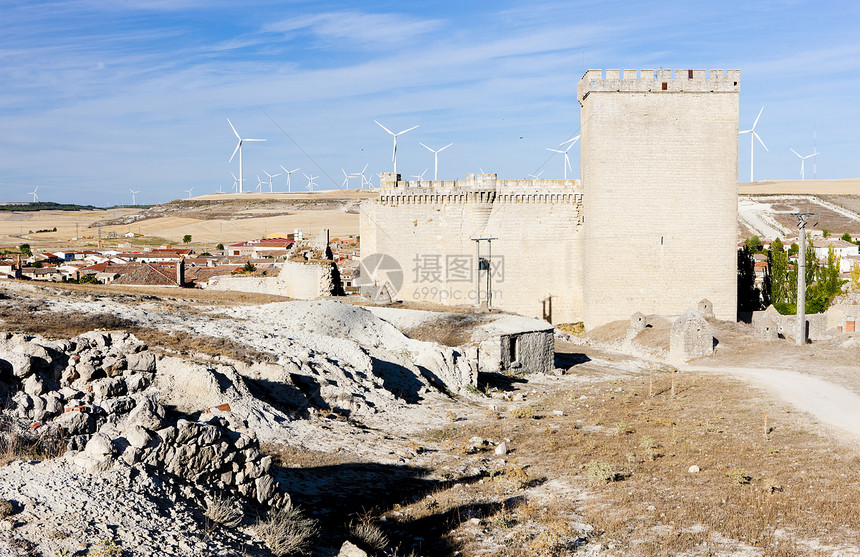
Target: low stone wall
239	283
818	325
301	281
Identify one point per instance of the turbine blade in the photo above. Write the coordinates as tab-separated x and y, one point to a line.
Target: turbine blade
409	130
760	141
384	128
234	151
443	148
234	129
253	140
757	117
426	147
795	152
572	140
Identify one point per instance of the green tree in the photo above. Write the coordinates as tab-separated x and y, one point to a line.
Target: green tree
186	239
777	263
749	296
855	276
220	247
825	233
249	268
753	243
793	249
847	237
25	249
88	279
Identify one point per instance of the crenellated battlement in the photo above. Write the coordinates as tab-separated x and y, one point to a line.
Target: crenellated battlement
477	198
658	81
474	187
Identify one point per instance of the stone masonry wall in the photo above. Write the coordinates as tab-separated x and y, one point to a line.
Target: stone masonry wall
659	168
427	227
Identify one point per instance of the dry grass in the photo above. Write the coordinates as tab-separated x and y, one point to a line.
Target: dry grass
287	531
776	492
221	511
38	445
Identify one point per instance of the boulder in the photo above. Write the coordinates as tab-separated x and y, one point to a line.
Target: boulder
20	364
137	436
349	549
109	387
147	412
143	361
34	385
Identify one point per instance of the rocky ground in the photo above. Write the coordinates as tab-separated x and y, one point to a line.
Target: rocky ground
396	445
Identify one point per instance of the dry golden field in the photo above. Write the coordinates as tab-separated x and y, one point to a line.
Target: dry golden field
242	217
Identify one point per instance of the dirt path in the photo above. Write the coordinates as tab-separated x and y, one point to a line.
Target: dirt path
830	404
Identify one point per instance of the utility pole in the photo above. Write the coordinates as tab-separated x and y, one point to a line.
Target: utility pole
801	278
483	265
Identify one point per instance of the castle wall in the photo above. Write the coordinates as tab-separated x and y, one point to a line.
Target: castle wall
659	169
537	257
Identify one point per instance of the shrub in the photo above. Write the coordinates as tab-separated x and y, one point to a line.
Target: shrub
738	475
106	548
369	535
287	531
221	511
599	472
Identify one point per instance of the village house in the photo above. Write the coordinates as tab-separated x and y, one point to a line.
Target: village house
847	252
266	247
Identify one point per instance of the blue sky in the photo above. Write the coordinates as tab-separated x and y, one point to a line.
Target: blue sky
101	96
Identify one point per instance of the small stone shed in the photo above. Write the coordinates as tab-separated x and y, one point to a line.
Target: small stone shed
499	342
513	343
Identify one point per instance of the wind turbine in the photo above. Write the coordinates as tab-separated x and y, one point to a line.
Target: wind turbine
394	150
566	162
259	184
235	181
420	176
360	175
239	148
289	187
189	190
311	182
802	160
435	158
33	193
270	179
754	135
133	196
346	178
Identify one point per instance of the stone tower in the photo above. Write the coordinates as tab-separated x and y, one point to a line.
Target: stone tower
660	176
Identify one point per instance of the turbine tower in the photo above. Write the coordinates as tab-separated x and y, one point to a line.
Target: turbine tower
33	193
239	148
270	179
435	158
289	187
802	160
235	182
754	135
394	150
134	196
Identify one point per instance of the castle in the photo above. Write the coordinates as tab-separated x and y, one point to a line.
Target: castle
651	227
